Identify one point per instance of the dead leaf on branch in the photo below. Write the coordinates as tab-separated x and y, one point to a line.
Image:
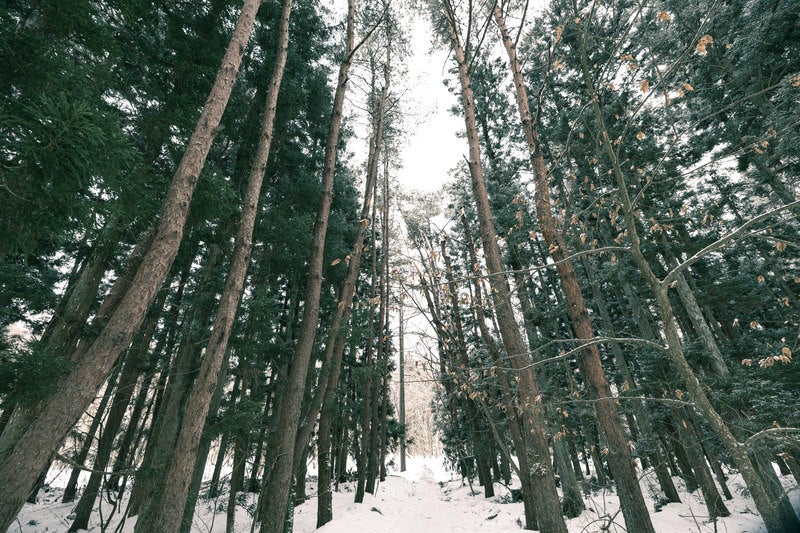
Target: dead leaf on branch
703	44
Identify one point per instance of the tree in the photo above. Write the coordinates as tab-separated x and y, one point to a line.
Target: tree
545	495
619	457
34	448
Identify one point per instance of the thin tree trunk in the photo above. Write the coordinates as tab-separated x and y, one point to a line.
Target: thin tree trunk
213	486
515	423
362	459
646	427
715	358
201	457
716	507
336	339
173	396
132	367
402	399
462	364
80	459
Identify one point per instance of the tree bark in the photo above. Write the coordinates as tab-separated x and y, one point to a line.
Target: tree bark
32	451
274	497
336	339
166	510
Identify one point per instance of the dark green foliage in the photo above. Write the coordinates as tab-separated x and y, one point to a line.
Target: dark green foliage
27	375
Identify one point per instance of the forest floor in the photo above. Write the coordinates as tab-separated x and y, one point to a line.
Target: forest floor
429	499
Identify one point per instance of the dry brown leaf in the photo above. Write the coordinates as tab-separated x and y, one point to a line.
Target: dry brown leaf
703	43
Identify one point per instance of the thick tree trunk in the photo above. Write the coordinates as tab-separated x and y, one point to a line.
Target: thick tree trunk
166	509
62	334
619	457
21	466
275	493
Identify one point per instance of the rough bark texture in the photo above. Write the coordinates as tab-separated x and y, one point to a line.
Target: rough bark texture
548	508
32	451
275	492
166	511
619	457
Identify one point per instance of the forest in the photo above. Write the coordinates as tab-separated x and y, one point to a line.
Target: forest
214	287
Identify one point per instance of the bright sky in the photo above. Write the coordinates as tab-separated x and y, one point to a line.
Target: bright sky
432	147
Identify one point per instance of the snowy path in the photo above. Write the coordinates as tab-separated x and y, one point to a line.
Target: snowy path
427	499
406	504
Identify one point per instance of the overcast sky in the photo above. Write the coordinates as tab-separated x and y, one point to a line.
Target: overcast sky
432	147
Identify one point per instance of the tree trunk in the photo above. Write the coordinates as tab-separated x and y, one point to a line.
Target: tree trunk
275	493
627	382
173	395
166	509
201	457
336	339
716	507
362	459
715	358
462	364
32	451
619	457
402	367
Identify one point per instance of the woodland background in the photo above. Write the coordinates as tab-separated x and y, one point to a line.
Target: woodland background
197	267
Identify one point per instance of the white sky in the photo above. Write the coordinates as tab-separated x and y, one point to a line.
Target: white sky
432	147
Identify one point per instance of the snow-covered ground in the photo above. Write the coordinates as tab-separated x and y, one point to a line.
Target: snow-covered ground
428	499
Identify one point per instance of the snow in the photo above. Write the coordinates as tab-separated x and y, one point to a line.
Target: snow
429	499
